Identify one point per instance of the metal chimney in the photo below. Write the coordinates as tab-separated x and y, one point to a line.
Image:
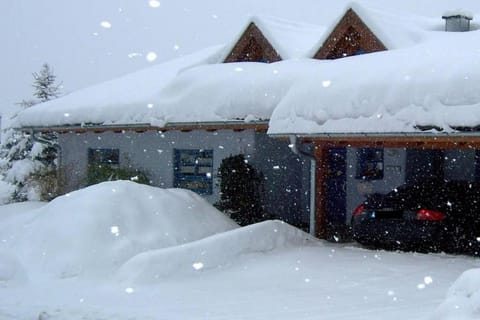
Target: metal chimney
457	22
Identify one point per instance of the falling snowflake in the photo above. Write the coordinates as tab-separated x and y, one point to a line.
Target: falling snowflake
198	265
154	3
428	280
115	230
151	56
105	24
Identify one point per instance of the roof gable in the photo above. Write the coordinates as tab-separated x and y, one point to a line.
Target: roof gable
253	46
351	36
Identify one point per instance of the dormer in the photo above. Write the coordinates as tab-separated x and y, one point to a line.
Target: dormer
253	46
351	36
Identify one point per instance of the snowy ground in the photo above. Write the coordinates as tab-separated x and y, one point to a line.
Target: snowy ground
156	258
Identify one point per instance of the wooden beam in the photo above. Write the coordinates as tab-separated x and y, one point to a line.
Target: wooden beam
445	142
321	194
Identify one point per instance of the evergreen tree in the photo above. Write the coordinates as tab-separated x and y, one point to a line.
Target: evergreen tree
241	190
45	84
28	164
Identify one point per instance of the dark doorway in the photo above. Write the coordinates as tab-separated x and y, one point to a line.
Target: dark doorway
424	164
337	193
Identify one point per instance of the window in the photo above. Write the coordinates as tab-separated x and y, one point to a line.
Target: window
193	170
369	164
101	157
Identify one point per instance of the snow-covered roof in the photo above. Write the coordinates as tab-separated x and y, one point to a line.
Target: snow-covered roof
394	29
129	99
427	78
434	84
291	39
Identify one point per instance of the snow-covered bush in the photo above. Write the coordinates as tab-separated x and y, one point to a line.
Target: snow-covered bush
27	168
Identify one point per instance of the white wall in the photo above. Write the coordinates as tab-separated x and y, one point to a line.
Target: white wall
151	151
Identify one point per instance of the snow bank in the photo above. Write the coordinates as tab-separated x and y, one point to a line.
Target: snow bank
11	271
214	252
93	231
463	299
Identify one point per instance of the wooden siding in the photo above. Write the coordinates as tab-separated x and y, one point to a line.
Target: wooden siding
253	46
351	36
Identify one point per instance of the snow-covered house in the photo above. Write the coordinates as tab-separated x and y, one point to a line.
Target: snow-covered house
374	100
375	121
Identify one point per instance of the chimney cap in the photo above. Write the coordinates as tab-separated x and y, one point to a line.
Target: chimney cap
459	13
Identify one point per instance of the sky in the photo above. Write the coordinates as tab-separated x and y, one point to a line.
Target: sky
91	41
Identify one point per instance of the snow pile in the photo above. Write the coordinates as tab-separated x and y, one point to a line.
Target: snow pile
214	252
11	271
93	231
463	299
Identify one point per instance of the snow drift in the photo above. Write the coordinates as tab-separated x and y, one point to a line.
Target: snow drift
463	298
214	252
93	231
137	233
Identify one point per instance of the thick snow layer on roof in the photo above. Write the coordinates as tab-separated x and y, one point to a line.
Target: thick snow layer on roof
291	39
436	84
128	99
247	91
430	80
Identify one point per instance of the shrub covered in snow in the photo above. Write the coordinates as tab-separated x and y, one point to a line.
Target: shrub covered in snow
240	190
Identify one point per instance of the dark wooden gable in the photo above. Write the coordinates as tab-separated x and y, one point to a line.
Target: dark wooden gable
350	37
253	47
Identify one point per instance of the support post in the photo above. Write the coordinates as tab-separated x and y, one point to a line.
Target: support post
321	156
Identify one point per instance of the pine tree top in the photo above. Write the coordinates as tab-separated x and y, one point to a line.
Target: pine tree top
45	84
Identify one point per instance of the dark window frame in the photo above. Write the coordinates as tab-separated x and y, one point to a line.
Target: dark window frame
193	170
104	156
370	164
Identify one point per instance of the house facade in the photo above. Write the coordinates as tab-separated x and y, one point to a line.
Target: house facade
189	158
325	134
